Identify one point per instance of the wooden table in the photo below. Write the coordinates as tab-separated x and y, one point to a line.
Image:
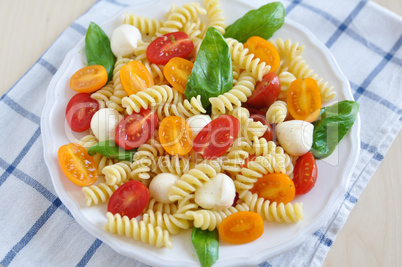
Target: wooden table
371	236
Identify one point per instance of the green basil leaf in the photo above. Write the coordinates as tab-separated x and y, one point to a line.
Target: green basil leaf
332	125
206	244
109	149
262	22
98	50
212	72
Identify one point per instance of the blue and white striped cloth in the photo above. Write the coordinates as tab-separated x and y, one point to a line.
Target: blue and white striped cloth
37	229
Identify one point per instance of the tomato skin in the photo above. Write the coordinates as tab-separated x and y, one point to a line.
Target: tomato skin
264	50
135	77
177	71
241	227
269	133
275	187
304	99
79	167
130	199
305	173
80	110
168	46
266	92
135	129
217	136
89	79
175	135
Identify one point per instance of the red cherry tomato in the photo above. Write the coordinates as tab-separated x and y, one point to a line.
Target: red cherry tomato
305	173
269	133
168	46
130	199
80	110
216	137
135	129
266	92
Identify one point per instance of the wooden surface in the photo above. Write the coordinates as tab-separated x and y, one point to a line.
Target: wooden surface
372	235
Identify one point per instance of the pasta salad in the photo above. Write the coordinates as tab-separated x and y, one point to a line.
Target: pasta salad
193	124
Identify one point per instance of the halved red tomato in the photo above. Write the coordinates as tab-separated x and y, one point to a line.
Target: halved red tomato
217	136
177	71
305	173
275	187
304	99
168	46
135	77
79	111
79	167
130	199
266	92
135	129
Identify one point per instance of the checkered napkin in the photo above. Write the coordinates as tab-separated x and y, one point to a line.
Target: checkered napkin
37	229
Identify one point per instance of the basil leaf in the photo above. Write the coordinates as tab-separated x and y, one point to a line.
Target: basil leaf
98	50
333	123
212	72
109	149
261	22
206	244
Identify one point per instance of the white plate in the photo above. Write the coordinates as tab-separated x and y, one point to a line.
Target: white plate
318	205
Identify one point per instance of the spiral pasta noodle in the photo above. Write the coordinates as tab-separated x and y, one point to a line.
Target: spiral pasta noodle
193	179
119	93
277	112
102	161
150	97
87	141
234	97
178	16
249	127
103	95
247	61
211	219
273	212
156	206
286	79
184	109
173	164
215	15
256	169
165	221
145	25
139	231
99	193
301	70
287	50
117	173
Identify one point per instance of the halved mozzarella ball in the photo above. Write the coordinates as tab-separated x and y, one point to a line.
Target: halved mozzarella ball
124	40
198	122
104	123
159	186
295	136
218	193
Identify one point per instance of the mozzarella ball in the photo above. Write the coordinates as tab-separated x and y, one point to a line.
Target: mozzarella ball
159	186
218	193
198	122
295	136
104	123
124	40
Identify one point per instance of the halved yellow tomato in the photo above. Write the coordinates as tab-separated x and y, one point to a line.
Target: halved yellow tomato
177	71
135	77
264	50
89	79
